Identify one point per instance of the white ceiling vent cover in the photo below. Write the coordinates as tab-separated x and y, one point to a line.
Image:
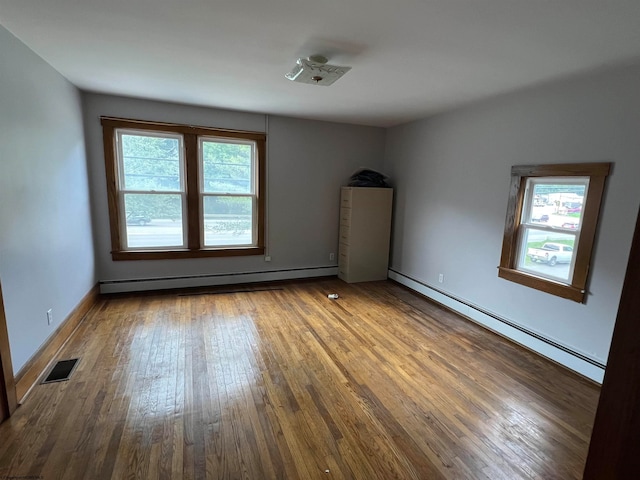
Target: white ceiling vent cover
316	71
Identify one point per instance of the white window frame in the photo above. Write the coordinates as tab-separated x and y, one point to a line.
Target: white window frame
252	194
122	190
527	223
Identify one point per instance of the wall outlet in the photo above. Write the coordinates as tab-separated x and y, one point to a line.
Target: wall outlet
441	278
49	316
267	258
332	257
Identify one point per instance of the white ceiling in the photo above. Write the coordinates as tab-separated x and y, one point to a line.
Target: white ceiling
410	58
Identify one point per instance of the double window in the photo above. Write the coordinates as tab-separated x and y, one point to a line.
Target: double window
177	191
550	228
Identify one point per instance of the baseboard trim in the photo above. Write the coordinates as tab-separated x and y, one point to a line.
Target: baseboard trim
164	283
561	354
28	375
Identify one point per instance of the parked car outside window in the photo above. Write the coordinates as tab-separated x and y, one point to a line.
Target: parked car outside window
137	219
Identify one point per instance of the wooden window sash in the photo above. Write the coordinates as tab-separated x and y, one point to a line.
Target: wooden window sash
577	287
194	248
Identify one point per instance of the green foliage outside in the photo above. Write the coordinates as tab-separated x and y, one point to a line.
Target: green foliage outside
153	164
227	167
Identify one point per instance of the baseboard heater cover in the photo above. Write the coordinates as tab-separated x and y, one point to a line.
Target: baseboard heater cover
228	292
61	371
570	359
187	281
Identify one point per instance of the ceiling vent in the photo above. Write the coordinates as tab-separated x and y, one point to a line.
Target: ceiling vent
316	71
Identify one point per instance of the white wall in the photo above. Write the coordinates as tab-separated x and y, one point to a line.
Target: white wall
307	162
451	174
46	244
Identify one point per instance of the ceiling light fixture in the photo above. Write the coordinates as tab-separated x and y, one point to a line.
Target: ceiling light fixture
316	71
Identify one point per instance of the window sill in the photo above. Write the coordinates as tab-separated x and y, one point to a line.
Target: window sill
555	288
178	254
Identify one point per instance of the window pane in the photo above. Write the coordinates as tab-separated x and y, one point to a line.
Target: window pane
556	203
226	167
153	220
151	162
228	221
547	254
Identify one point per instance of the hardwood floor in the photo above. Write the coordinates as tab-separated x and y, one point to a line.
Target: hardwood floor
283	382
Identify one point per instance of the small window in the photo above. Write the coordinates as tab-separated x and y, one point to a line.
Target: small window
177	191
550	228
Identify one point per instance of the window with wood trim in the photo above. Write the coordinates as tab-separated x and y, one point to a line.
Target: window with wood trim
552	217
177	191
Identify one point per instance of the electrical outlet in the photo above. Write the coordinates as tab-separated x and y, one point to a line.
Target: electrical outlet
441	278
49	316
267	258
332	257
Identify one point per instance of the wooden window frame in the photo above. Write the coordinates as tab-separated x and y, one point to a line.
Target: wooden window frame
190	134
575	289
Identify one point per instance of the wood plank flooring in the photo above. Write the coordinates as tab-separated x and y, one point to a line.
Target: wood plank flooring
283	382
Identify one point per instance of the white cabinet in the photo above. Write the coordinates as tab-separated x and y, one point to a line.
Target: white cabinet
365	230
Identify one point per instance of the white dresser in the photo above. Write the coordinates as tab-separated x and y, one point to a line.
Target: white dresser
365	230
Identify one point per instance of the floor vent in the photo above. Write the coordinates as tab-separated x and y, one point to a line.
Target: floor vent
61	371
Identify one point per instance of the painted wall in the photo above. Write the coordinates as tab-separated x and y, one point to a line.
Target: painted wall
307	162
46	244
452	173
